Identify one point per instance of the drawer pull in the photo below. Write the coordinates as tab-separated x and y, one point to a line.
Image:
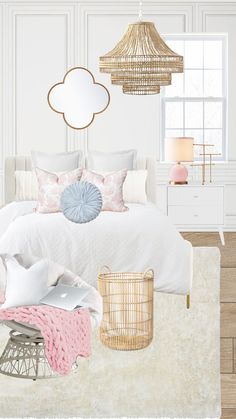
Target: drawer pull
195	196
195	215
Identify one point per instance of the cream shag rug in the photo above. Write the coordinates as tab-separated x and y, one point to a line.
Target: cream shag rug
177	376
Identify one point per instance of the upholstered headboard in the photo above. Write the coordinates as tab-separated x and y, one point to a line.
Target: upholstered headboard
24	163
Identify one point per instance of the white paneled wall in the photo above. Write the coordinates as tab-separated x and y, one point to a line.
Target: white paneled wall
41	40
130	121
32	115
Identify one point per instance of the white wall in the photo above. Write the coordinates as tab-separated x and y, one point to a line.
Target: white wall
130	121
41	40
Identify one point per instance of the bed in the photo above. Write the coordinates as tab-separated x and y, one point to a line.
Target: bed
130	241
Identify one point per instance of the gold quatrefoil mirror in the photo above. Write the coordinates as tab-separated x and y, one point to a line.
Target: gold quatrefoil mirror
78	98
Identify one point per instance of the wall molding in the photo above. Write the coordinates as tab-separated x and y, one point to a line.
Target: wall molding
209	9
12	14
91	8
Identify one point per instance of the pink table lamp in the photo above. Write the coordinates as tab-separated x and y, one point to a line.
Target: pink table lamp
178	149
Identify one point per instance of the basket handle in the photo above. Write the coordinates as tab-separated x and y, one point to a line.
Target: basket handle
148	270
105	268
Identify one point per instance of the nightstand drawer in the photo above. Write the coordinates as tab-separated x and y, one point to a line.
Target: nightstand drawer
198	214
195	195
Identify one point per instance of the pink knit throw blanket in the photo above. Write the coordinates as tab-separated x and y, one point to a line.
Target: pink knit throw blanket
67	334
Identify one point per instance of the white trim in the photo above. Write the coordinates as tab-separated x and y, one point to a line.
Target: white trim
224	99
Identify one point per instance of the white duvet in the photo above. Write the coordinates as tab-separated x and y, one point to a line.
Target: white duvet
130	241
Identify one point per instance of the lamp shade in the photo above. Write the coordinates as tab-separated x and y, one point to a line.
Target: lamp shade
179	149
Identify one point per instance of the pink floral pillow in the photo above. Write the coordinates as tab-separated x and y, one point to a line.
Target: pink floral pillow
111	187
51	186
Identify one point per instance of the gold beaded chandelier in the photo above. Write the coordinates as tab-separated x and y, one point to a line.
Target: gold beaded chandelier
141	62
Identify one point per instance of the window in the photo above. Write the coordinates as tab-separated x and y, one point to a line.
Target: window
195	104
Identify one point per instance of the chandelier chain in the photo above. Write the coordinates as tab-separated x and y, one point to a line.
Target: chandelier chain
140	13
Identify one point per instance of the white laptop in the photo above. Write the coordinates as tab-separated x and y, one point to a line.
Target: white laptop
66	297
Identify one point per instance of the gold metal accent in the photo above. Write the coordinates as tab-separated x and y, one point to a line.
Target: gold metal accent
205	145
127	322
203	164
141	52
173	182
188	301
210	163
62	113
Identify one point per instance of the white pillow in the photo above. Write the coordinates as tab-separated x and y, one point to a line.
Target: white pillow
25	286
55	271
118	160
59	162
134	186
26	186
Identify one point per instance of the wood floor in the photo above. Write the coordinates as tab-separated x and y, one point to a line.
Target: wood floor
228	315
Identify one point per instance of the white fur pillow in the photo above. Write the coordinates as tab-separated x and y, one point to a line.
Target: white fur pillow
55	271
25	286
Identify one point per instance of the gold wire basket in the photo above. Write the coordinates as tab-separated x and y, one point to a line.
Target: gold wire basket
127	309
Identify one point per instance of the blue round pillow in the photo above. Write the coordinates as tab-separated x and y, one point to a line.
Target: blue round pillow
81	202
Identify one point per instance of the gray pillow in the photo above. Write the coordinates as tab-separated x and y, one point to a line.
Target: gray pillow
118	160
57	162
81	202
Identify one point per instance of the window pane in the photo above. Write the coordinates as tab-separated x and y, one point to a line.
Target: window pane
193	114
214	136
197	134
193	57
174	133
213	83
174	115
213	54
213	115
193	103
176	87
193	83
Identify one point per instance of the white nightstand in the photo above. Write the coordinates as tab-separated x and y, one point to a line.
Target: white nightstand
197	207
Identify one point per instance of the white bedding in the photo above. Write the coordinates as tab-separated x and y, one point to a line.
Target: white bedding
130	241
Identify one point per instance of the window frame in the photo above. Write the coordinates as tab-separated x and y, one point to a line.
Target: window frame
222	99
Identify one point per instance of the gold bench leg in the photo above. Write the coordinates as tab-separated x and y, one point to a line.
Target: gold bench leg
188	301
